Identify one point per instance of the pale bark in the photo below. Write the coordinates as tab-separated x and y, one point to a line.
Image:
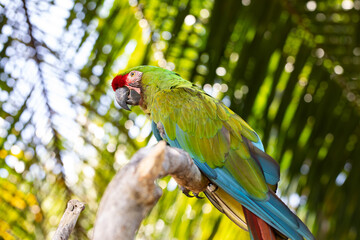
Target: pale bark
68	220
132	193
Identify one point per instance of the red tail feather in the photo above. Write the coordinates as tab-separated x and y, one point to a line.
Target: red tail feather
259	229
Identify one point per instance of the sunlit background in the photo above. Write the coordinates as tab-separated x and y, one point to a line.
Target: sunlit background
290	68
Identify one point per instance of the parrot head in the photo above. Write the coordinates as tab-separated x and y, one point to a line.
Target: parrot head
127	88
138	85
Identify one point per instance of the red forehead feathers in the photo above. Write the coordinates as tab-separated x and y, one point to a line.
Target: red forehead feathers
119	81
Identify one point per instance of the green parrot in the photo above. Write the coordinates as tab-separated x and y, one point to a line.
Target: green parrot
224	147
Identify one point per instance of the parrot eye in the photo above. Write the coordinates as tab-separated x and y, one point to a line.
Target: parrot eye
132	74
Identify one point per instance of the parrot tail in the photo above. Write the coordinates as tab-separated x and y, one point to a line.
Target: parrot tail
259	230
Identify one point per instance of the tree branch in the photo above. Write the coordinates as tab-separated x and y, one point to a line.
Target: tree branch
68	220
132	193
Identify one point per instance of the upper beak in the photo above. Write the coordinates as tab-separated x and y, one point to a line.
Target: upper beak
126	96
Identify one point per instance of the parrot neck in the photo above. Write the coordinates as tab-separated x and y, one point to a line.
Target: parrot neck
152	84
148	95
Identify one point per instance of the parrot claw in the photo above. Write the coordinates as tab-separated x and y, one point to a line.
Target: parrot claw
186	191
197	196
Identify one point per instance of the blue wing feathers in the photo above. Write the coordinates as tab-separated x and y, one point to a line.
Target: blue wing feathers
269	166
156	131
259	144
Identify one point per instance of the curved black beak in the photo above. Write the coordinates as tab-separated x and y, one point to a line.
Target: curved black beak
125	96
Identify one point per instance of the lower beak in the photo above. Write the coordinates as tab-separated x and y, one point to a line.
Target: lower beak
126	96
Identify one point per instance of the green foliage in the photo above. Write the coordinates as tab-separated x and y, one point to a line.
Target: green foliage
290	68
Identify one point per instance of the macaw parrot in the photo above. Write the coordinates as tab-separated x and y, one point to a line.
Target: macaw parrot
223	146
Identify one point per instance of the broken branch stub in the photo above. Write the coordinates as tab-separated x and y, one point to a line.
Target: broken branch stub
69	219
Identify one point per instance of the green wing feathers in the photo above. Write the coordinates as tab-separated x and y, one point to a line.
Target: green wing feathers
211	132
